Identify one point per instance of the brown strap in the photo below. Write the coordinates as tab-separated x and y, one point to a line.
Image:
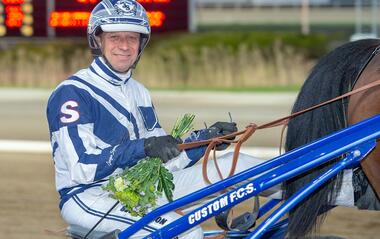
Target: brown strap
251	128
180	212
281	121
247	133
208	141
284	120
282	138
217	165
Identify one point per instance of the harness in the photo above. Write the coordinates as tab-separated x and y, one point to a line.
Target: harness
247	220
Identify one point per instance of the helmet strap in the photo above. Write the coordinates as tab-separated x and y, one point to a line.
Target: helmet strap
97	50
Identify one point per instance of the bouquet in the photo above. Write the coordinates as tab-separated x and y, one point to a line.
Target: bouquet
138	187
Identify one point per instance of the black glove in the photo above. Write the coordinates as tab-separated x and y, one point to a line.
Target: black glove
164	147
220	129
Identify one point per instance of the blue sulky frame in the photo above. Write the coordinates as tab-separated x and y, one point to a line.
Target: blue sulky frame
353	143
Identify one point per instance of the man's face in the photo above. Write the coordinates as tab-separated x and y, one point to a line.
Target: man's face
120	49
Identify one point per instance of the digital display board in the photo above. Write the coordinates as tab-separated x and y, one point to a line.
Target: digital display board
23	18
67	18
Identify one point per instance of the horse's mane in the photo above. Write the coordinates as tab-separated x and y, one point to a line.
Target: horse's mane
334	75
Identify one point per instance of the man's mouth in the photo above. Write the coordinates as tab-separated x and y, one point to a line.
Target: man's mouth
121	55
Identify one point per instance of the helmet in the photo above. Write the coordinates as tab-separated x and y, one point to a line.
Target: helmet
115	16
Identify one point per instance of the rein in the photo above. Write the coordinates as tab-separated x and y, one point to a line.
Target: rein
250	130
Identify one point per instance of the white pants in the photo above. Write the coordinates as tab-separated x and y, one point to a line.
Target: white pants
85	209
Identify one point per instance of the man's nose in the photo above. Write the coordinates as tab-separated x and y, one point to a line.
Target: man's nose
124	44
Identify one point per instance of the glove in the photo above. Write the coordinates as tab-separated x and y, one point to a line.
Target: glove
164	147
221	129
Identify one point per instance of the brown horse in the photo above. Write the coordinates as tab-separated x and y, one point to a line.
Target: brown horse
348	67
362	106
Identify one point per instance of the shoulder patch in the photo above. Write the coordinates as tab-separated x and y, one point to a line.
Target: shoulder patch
70	112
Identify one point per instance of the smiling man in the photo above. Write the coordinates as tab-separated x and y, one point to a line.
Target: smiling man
120	49
102	121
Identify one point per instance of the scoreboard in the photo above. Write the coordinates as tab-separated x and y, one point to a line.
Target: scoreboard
69	18
22	18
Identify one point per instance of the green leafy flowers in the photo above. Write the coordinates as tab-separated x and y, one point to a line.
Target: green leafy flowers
138	187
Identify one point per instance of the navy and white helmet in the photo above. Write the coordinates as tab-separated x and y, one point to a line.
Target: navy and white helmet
116	16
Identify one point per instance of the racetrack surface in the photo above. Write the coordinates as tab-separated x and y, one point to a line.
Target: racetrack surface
29	203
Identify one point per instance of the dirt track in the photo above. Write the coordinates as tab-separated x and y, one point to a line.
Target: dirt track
28	203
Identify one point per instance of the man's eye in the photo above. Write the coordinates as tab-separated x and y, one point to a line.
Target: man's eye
133	39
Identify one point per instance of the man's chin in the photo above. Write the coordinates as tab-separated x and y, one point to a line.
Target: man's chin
122	68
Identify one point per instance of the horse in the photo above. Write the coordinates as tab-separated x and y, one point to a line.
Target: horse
346	68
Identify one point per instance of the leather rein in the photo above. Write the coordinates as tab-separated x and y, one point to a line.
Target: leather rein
250	129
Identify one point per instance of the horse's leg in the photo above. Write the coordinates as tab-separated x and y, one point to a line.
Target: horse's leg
362	106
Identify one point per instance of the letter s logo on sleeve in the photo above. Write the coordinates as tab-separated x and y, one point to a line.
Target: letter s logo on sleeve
70	113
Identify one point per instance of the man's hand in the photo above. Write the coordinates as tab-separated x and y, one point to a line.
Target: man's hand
164	147
221	129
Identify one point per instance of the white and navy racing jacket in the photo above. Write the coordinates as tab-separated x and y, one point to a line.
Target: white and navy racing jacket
98	120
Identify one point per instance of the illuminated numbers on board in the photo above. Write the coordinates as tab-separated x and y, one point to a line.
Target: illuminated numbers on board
80	18
18	14
67	18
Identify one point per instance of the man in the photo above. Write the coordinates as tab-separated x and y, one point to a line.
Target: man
101	121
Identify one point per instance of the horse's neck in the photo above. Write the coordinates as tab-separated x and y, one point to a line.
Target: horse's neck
362	106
